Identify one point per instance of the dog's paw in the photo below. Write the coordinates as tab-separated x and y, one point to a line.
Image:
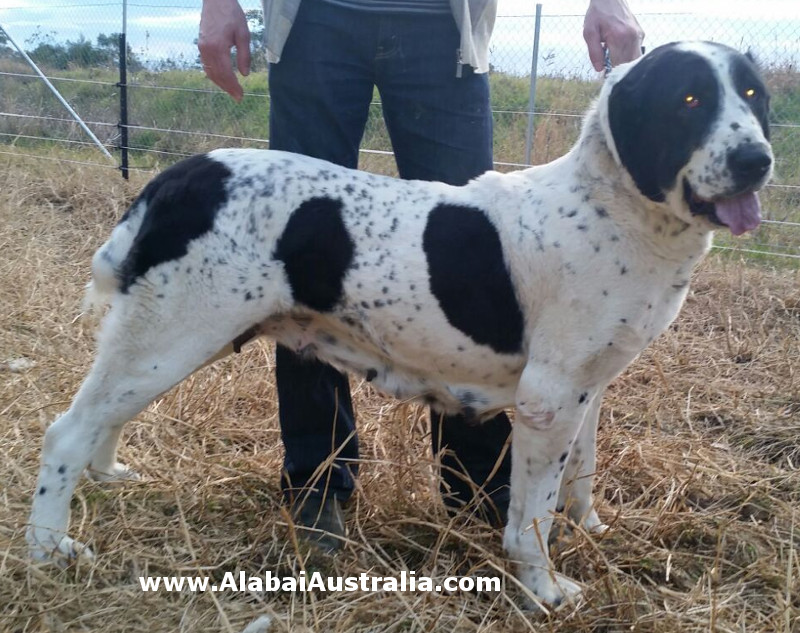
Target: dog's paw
117	473
592	523
551	589
60	551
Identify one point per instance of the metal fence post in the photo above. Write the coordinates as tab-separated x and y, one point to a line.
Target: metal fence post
123	92
57	94
532	93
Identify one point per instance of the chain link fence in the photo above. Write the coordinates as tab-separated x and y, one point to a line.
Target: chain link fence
174	111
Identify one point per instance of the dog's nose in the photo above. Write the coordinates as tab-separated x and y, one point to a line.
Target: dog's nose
749	162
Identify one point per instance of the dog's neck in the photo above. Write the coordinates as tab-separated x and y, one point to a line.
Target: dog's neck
596	162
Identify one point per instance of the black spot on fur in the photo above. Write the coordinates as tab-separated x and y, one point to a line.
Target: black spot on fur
583	397
182	202
653	129
469	277
563	457
372	374
467	399
316	251
62	469
42	490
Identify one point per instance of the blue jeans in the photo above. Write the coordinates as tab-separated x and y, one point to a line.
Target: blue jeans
441	129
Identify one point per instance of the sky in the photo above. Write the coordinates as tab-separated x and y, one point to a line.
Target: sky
166	29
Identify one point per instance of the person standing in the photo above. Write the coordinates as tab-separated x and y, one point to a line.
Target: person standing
429	61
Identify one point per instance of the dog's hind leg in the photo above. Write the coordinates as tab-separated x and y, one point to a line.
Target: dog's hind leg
136	361
575	495
104	466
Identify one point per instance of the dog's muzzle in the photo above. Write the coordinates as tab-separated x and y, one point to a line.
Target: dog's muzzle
749	165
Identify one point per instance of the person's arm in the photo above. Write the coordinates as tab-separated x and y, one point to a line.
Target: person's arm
611	23
223	26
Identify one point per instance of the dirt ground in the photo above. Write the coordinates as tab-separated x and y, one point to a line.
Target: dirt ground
697	476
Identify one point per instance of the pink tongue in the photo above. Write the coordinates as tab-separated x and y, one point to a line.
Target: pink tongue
741	214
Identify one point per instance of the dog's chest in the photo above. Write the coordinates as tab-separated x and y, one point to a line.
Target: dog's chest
595	292
627	316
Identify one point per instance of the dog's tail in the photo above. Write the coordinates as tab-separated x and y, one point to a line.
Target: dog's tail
108	260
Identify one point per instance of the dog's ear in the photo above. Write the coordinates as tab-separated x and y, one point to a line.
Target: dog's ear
627	111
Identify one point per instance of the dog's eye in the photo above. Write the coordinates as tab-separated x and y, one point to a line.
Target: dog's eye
750	93
691	101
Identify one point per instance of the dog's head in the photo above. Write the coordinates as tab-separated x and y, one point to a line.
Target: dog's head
688	122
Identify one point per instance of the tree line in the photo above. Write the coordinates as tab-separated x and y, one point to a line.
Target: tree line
103	52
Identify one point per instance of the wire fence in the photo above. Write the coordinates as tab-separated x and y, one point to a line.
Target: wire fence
174	111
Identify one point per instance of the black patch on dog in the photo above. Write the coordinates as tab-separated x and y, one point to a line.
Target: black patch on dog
469	277
654	128
182	202
316	251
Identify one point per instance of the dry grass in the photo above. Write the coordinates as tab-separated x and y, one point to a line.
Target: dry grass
698	449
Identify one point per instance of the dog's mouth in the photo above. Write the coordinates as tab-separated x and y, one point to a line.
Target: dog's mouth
740	212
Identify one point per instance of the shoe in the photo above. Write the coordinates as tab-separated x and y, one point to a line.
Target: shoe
319	521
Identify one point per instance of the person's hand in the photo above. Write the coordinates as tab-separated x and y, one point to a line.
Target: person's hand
611	23
223	26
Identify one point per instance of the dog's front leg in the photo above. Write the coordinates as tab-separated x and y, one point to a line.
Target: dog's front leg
550	410
575	495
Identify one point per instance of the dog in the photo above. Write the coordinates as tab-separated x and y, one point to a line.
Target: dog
532	289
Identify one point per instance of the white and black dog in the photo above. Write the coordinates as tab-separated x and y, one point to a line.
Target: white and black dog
532	289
